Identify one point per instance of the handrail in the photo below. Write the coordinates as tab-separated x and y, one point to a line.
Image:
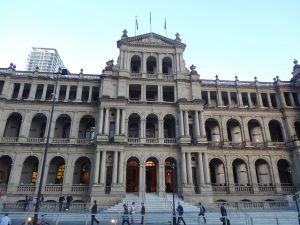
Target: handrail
167	202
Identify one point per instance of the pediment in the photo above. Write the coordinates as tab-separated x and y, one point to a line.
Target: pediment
150	39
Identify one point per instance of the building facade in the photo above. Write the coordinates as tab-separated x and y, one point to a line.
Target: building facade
46	59
148	124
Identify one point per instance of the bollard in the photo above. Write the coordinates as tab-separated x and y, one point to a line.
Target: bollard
277	221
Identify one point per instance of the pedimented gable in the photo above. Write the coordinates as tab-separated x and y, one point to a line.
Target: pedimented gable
150	39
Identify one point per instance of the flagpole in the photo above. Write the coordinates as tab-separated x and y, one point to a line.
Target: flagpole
135	26
150	24
166	27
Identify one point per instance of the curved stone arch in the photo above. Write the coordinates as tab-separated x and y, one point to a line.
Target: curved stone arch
214	118
221	158
59	114
49	158
134	112
263	158
25	157
169	157
132	54
146	114
151	155
233	118
283	158
168	56
74	159
86	115
152	55
7	114
248	119
10	155
132	155
280	122
243	158
168	114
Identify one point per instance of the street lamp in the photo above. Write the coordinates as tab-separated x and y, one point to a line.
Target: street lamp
37	205
173	189
295	197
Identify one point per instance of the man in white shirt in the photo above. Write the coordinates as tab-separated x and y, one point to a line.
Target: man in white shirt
5	220
132	212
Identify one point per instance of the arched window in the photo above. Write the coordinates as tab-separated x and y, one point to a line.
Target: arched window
135	64
167	66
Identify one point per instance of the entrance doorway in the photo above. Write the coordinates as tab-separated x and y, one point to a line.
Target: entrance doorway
170	174
132	175
151	175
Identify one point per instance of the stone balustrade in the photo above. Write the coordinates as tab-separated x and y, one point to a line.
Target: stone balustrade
53	188
80	188
240	188
61	141
266	188
134	140
3	188
32	140
9	139
26	188
170	140
152	140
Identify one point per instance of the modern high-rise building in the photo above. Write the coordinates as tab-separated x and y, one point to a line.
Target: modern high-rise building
47	59
148	124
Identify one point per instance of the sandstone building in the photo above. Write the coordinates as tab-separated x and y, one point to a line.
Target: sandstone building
121	131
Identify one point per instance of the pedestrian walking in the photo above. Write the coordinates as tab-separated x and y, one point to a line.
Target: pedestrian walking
201	213
223	210
30	202
69	201
132	212
143	211
180	213
125	217
26	203
61	202
5	220
94	211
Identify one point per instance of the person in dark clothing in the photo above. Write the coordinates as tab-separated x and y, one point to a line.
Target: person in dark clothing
26	202
180	213
143	211
225	221
61	202
223	210
125	217
201	213
94	212
69	200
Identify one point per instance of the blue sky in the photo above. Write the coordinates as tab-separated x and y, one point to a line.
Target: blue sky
228	38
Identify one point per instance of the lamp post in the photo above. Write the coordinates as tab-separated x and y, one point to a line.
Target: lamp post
173	189
37	205
295	197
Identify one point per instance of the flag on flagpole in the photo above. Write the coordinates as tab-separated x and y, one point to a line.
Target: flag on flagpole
150	23
150	17
165	26
136	24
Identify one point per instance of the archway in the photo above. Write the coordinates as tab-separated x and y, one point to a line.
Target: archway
217	172
275	131
56	171
240	173
5	168
38	126
132	175
263	172
170	175
13	125
284	171
29	170
151	175
82	171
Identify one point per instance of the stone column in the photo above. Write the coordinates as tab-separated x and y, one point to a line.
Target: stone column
189	168
274	172
161	180
253	175
44	92
143	123
25	127
206	169
101	121
79	92
208	98
74	127
115	168
200	167
106	122
202	125
220	100
123	124
186	124
142	180
183	164
143	92
229	98
181	123
57	92
32	90
68	176
159	93
269	100
90	93
67	94
292	99
197	124
239	99
259	100
103	168
249	99
97	167
21	90
118	123
121	167
229	176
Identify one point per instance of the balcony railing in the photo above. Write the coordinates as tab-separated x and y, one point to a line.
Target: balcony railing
3	188
133	140
78	188
9	139
219	188
266	188
240	188
288	188
84	141
53	188
151	140
151	76
107	189
276	144
168	77
169	140
136	75
35	140
28	188
61	141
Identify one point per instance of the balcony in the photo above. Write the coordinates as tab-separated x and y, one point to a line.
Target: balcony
136	75
35	140
78	188
3	188
26	188
152	140
132	140
220	188
169	140
152	76
288	188
241	188
61	141
266	188
9	139
57	188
